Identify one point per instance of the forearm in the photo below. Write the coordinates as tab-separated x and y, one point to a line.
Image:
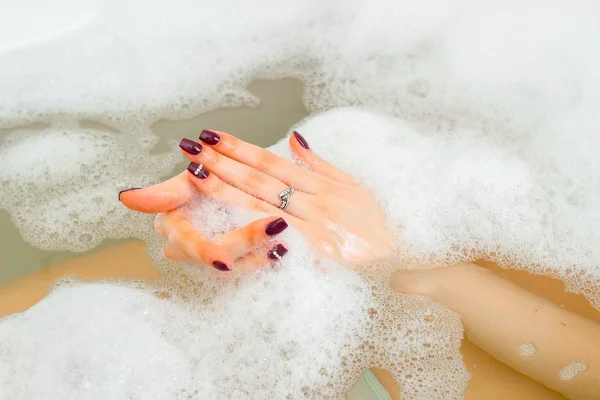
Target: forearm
525	331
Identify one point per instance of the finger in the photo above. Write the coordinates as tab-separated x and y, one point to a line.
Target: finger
182	235
243	177
212	185
165	196
171	252
301	149
243	240
249	245
262	160
256	260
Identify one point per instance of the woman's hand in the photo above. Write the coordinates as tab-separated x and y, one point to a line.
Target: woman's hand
247	247
337	216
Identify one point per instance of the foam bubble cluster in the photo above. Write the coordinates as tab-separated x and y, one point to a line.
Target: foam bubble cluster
527	349
572	370
294	331
59	184
477	131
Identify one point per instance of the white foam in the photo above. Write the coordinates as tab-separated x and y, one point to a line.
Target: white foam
488	148
61	184
572	370
527	349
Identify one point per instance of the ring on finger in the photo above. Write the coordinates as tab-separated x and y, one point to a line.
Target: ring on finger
285	197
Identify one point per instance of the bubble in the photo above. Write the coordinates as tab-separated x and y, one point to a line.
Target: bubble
86	237
475	145
572	370
527	349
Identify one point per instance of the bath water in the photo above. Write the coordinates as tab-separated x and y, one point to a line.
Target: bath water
474	123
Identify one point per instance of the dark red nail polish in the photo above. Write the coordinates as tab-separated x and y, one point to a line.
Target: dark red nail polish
276	227
301	140
126	190
198	170
221	266
191	147
209	137
277	252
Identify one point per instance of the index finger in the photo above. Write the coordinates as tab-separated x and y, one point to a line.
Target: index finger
162	197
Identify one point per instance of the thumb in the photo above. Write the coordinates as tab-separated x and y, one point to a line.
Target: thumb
165	196
302	150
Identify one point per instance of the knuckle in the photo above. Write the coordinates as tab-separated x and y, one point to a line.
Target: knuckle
256	179
175	220
321	186
260	206
250	240
215	186
230	143
267	161
324	207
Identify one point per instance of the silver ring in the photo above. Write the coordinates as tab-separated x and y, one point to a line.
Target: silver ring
285	197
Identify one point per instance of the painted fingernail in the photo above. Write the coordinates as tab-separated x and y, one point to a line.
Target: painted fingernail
190	147
301	140
276	227
198	170
126	190
209	137
221	266
277	252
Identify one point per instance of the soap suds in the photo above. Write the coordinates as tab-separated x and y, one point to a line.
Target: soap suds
527	349
572	370
475	125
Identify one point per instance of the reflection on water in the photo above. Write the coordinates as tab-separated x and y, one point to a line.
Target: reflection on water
281	106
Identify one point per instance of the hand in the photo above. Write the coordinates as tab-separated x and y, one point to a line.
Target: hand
340	218
247	247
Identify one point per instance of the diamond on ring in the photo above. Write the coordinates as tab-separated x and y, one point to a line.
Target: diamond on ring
199	169
285	197
277	256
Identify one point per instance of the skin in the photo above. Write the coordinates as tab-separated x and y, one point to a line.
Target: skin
324	206
505	316
248	176
490	378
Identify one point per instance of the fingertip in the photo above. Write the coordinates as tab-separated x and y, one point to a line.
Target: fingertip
197	170
296	147
125	191
132	198
300	140
221	266
277	252
218	258
276	226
